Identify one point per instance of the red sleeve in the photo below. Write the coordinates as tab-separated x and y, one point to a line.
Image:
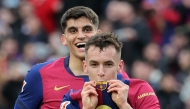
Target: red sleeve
142	96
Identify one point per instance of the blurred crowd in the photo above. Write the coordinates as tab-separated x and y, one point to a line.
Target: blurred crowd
155	36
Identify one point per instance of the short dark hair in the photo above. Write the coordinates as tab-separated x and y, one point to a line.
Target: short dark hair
77	12
103	40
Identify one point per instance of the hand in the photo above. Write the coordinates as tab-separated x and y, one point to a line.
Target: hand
89	95
119	92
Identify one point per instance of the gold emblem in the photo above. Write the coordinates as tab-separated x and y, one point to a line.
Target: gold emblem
101	85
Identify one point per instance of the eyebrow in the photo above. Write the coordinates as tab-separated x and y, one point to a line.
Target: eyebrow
88	26
92	61
109	61
72	27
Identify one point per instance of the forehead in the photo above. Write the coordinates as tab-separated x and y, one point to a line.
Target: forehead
95	52
79	23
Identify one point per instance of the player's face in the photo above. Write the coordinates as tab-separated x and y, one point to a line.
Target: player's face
77	33
104	65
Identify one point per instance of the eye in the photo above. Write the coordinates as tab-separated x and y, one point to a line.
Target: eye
72	30
88	29
108	65
93	64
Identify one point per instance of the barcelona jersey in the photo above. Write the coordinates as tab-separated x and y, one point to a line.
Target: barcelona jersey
46	83
140	96
73	99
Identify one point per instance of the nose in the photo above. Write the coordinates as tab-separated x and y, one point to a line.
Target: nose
101	72
81	35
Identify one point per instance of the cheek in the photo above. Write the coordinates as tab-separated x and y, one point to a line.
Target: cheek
92	73
111	75
70	38
90	34
92	76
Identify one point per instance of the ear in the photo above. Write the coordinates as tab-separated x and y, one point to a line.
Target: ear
99	31
121	65
63	40
84	66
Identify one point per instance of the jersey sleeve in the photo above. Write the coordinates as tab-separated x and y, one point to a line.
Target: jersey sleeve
69	101
144	96
31	94
124	74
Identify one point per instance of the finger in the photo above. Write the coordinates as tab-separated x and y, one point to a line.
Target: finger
92	83
114	89
90	91
88	87
116	84
118	87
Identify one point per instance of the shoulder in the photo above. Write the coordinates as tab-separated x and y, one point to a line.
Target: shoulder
140	85
45	65
142	95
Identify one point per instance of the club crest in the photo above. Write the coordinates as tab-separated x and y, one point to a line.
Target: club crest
101	85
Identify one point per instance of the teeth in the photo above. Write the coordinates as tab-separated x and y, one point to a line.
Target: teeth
81	44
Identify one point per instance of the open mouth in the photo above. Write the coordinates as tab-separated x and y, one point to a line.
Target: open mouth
80	45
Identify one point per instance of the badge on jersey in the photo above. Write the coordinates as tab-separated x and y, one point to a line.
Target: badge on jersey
24	83
64	105
101	85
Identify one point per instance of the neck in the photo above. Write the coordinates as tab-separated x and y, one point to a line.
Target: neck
75	65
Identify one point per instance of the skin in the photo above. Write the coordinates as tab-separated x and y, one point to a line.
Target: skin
77	31
103	66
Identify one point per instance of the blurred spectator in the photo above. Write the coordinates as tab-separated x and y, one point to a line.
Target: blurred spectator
42	52
25	10
9	48
168	95
184	93
162	17
56	47
12	86
141	70
178	42
132	29
170	60
144	70
5	19
32	30
152	54
184	65
46	11
106	25
35	52
184	10
28	53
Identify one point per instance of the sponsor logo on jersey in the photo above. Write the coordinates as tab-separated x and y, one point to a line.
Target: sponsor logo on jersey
64	105
59	88
146	94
